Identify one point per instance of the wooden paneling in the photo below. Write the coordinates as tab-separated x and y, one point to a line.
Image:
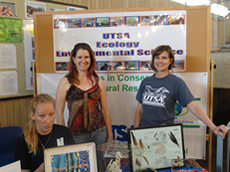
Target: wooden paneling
3	114
114	4
14	112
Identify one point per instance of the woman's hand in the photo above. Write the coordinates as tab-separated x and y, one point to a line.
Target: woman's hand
222	128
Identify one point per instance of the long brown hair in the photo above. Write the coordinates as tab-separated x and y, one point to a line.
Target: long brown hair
160	49
30	132
73	72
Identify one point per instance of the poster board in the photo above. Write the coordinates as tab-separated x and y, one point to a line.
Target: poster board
197	44
122	112
197	39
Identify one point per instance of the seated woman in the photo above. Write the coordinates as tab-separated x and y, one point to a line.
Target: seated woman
40	133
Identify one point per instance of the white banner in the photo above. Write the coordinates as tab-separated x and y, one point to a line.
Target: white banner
120	41
29	51
121	91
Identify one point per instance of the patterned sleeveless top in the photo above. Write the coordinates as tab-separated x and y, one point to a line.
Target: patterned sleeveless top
84	109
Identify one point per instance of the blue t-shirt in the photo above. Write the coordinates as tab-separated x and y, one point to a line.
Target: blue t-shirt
158	97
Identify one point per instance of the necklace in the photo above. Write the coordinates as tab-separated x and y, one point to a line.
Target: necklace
43	145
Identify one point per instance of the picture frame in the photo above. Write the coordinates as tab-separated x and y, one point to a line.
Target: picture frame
155	147
8	9
78	157
31	7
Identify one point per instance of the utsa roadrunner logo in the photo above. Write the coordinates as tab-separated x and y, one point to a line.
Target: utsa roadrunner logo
154	96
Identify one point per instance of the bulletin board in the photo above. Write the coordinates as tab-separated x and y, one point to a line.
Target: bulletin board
197	38
13	78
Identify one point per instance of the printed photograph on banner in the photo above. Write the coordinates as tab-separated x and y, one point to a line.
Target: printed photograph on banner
132	21
31	7
179	65
102	21
8	9
60	23
118	65
131	65
147	20
74	23
88	22
162	20
117	21
61	66
103	65
145	65
177	19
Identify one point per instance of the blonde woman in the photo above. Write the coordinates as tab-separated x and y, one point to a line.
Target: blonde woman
40	133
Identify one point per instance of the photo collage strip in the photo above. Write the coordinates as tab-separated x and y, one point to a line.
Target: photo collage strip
121	21
121	65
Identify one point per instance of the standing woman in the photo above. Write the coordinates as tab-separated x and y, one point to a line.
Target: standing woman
89	117
40	133
157	95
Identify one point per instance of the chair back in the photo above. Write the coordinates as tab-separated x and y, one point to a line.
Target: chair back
8	138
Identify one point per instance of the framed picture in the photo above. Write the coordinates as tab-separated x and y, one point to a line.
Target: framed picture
78	157
8	9
155	147
31	7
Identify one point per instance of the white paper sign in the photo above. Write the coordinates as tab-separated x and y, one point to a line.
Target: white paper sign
8	83
8	56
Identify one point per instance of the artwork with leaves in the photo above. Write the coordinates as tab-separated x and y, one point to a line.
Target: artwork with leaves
155	147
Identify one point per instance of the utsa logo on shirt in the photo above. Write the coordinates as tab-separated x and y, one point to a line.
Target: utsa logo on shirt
154	96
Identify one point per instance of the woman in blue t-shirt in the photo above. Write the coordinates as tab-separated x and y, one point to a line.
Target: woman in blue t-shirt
157	95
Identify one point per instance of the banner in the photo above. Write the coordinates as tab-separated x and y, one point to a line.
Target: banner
121	91
29	52
120	41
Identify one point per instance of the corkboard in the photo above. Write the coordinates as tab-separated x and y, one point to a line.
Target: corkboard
198	36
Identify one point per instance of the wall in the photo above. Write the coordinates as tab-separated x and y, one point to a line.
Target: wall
14	112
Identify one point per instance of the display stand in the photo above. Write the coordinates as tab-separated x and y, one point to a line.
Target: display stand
197	57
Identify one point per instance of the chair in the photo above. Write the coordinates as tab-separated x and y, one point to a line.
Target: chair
8	138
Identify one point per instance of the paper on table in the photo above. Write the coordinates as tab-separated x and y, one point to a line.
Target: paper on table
15	167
